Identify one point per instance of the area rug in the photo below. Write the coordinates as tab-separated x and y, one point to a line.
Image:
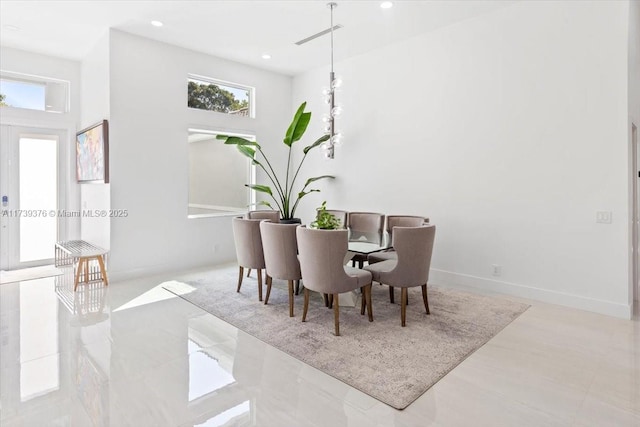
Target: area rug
382	359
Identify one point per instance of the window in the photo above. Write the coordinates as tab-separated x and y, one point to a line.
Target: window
217	176
214	95
33	92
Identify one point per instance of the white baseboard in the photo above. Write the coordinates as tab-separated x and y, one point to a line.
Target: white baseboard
450	279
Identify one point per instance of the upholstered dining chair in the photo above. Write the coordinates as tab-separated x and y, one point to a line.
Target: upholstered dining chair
340	216
271	215
280	249
395	221
321	254
364	224
414	246
246	234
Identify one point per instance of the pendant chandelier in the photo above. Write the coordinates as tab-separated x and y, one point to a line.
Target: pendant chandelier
334	110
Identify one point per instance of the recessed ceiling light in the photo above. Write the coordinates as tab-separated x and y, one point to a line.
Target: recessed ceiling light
157	23
266	56
386	4
11	28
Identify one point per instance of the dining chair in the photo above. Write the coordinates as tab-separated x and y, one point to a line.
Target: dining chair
364	224
414	246
395	221
321	254
272	215
340	216
280	249
246	234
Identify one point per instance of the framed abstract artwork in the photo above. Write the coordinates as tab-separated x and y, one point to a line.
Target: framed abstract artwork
92	154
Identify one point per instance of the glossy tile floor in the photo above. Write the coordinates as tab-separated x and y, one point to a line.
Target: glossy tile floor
135	355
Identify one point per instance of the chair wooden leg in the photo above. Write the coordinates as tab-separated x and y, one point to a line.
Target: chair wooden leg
326	299
305	307
403	307
367	295
290	298
259	284
240	278
330	300
363	302
268	282
248	272
425	299
391	295
86	271
336	313
297	287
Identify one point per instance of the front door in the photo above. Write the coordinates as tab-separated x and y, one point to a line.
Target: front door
30	195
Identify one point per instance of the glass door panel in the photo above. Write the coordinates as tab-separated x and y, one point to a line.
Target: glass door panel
38	178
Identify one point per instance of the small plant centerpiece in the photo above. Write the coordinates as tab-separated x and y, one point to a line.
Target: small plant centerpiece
325	220
284	197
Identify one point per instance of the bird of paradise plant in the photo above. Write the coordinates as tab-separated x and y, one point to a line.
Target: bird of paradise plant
284	197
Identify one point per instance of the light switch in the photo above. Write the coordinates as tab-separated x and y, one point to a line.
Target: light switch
603	217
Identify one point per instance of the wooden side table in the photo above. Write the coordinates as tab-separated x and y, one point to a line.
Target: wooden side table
82	252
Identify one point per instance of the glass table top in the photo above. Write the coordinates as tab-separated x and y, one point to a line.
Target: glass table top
367	243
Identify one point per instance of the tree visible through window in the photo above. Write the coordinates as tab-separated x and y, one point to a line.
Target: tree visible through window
211	96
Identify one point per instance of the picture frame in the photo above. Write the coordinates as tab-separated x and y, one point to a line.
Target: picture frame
92	154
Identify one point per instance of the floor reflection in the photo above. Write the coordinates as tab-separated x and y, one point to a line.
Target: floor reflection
88	303
206	373
238	415
38	344
134	354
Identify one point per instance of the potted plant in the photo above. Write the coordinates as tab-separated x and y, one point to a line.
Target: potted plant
325	220
284	197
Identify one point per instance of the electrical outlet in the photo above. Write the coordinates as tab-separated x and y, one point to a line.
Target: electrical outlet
497	269
603	217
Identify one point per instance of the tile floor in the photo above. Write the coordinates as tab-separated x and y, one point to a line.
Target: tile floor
135	355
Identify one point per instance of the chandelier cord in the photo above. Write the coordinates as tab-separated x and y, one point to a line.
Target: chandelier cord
329	146
332	5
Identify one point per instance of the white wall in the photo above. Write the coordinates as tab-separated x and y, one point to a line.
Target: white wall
19	61
634	61
95	108
508	130
149	151
634	116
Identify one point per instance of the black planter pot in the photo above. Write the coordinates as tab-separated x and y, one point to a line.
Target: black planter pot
291	221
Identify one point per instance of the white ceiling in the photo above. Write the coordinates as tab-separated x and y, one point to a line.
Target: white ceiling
237	30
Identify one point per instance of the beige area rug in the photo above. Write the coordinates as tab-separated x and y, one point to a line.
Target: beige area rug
28	274
392	364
